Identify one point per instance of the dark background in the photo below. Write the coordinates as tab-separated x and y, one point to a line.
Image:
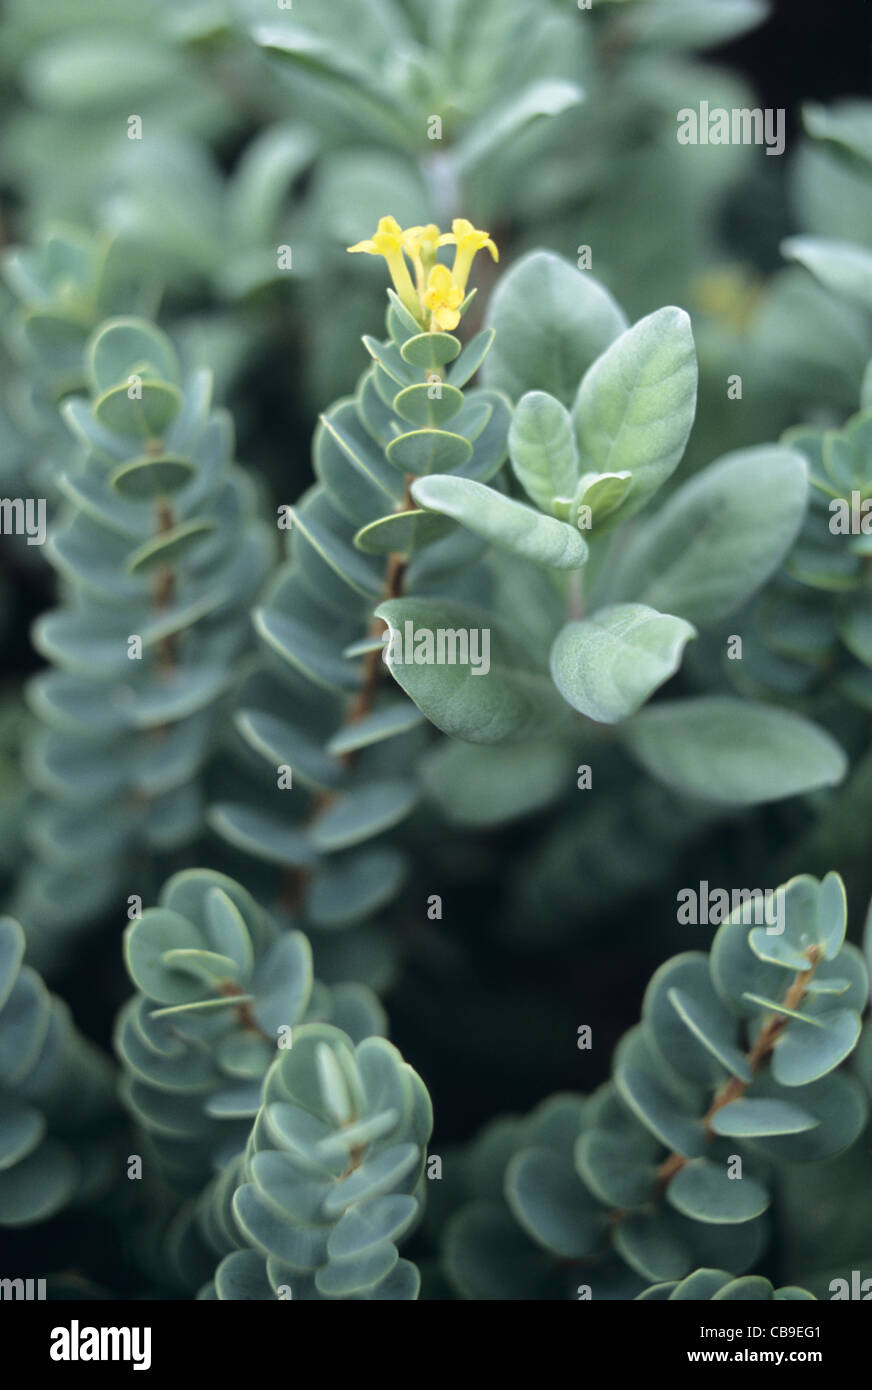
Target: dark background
808	50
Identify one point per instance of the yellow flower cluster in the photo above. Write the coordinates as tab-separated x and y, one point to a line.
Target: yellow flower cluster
436	293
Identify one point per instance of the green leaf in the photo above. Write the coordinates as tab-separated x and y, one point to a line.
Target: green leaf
491	441
362	814
490	1257
752	1289
306	648
608	666
281	742
349	1277
804	1053
650	1245
344	422
708	1027
146	941
471	358
401	324
420	405
702	1284
282	983
738	973
169	547
508	700
659	1112
12	944
494	784
832	915
146	479
429	451
813	915
750	1118
402	533
542	449
126	347
719	537
359	1229
375	1177
551	321
502	521
840	266
683	24
704	1191
620	1174
552	1205
396	717
836	1101
733	752
330	537
38	1186
261	179
430	351
144	416
603	494
847	126
21	1129
204	967
391	361
635	407
359	480
500	128
339	68
242	1275
349	887
24	1025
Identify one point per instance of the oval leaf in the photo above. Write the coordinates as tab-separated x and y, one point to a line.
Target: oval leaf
607	666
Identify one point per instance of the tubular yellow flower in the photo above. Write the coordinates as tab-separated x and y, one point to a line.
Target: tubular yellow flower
420	245
469	241
443	298
388	242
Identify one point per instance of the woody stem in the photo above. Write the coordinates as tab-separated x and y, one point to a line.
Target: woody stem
760	1053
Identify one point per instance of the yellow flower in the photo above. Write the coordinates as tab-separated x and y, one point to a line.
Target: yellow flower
468	240
443	298
387	241
437	290
420	245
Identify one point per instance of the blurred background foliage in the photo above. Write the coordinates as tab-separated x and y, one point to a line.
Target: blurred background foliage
267	130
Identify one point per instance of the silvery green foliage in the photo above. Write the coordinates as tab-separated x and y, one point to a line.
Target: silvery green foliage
60	289
409	500
813	334
81	70
331	1179
511	78
815	616
826	1208
220	988
734	1072
717	1285
160	555
601	418
322	705
56	1095
812	622
552	120
345	91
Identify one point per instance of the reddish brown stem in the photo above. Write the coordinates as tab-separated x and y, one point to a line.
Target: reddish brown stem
296	881
760	1053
